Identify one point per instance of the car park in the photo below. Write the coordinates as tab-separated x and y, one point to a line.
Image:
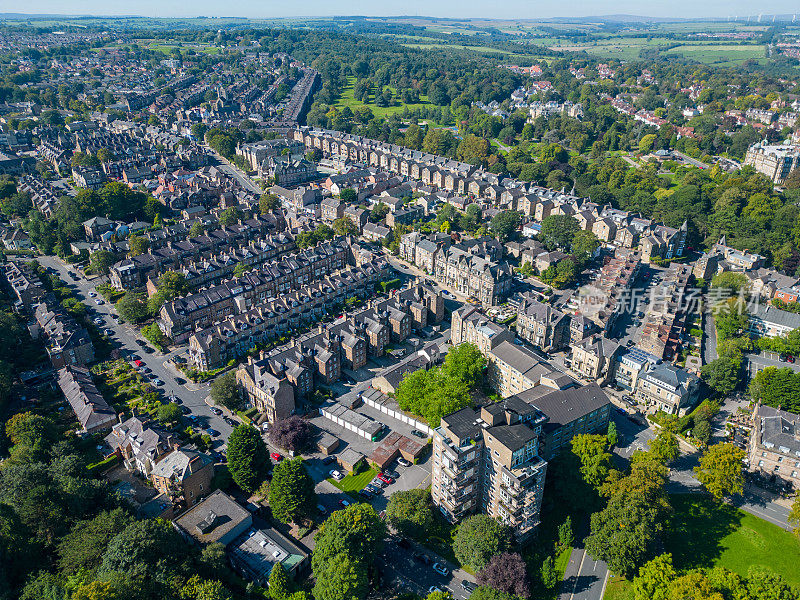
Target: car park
441	569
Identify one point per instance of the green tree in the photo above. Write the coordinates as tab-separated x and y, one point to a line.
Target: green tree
197	229
268	203
584	243
279	585
291	493
611	434
84	545
132	307
100	262
566	537
594	458
168	413
478	538
504	224
722	375
720	470
466	364
138	245
794	514
548	573
248	459
731	281
647	143
230	216
777	387
225	391
410	512
348	195
148	550
342	578
664	447
654	578
344	226
558	231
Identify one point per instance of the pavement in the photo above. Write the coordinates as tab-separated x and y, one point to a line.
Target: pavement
226	166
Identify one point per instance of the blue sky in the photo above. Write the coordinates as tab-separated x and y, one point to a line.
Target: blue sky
530	9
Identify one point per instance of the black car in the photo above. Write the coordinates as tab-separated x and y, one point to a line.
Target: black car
230	421
141	343
468	586
180	380
327	460
347	379
365	494
417	433
148	350
423	558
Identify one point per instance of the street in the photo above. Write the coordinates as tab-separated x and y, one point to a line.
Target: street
191	395
584	577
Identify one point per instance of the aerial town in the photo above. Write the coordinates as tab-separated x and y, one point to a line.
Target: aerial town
399	308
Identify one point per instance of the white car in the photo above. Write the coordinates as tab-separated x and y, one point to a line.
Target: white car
337	475
92	294
433	589
440	569
97	321
98	301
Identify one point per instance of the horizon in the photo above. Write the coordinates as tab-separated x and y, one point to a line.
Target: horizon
519	10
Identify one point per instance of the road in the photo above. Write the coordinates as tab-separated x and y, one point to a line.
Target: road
584	577
224	165
193	396
397	563
691	160
709	336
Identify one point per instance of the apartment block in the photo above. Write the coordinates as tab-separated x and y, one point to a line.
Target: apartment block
774	448
487	461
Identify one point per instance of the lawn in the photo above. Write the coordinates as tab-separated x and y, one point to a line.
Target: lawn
346	99
703	533
618	588
354	483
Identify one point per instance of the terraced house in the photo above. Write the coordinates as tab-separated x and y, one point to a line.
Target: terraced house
179	318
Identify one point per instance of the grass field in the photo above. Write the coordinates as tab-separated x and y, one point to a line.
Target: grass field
346	99
703	533
354	483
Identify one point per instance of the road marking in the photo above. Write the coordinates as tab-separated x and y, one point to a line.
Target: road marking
577	575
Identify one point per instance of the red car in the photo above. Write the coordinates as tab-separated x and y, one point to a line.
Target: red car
385	478
137	363
276	457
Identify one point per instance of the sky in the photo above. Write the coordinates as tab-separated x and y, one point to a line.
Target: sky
505	9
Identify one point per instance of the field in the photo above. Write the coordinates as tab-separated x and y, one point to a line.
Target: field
705	534
346	99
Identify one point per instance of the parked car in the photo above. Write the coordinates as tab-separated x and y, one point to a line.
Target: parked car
180	380
347	379
468	586
433	589
418	433
230	421
365	494
275	456
403	462
212	432
441	569
374	489
390	473
97	321
216	411
321	509
385	478
141	343
92	295
98	302
158	382
336	474
328	460
423	558
108	332
378	483
344	503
